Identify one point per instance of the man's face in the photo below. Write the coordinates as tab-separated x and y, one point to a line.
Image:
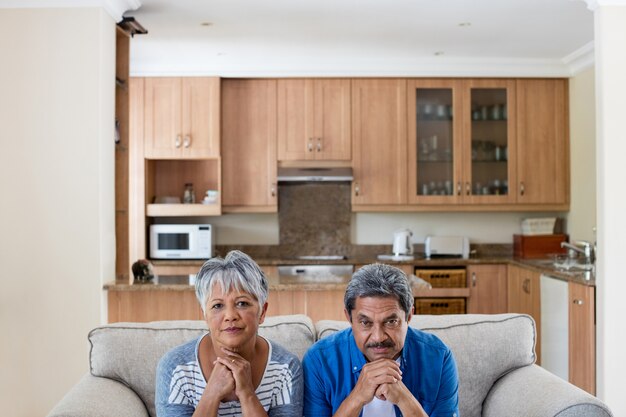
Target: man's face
379	326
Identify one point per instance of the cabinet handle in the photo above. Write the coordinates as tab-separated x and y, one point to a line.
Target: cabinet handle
468	189
459	188
473	279
187	141
357	189
310	145
319	144
578	302
177	141
273	190
522	188
526	286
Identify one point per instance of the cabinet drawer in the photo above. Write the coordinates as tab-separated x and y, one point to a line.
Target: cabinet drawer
440	306
443	278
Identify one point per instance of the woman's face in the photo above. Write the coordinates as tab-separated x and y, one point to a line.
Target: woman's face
233	317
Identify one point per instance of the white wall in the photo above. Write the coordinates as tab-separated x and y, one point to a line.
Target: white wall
582	216
57	214
610	32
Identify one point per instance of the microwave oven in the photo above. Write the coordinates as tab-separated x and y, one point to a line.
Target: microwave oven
181	241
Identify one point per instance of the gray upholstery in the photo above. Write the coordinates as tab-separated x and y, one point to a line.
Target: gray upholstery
494	354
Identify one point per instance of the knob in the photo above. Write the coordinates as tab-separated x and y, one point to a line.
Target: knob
578	302
522	188
357	189
310	145
187	141
319	144
473	279
177	141
273	190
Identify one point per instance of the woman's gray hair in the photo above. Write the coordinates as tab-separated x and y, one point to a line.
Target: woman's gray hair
237	271
379	280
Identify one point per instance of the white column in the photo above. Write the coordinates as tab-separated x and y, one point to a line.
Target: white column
610	47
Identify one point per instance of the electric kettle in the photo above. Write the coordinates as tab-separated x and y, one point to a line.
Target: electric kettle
402	242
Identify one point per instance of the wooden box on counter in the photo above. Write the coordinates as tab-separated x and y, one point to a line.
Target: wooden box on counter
538	246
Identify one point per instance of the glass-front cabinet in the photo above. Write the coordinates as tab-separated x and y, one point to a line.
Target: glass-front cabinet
461	136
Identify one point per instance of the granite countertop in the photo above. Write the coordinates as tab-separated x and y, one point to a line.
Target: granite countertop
480	256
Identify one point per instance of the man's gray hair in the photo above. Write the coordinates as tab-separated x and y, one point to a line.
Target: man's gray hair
237	271
379	280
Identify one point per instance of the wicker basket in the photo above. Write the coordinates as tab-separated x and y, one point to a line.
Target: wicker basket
440	306
443	278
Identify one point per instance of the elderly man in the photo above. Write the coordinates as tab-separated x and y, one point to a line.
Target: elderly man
380	366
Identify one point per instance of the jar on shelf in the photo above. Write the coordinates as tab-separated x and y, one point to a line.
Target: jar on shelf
189	196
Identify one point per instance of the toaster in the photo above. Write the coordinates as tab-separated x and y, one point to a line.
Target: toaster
446	246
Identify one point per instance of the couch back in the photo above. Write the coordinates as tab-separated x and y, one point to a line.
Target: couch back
485	348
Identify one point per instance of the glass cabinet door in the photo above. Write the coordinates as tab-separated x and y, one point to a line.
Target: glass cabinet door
433	115
490	138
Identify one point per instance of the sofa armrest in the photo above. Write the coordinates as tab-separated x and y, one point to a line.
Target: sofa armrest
533	391
94	396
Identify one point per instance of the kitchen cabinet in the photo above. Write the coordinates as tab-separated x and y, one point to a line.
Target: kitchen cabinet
182	117
488	289
543	144
459	136
568	326
582	340
523	296
314	119
318	305
152	305
379	134
249	146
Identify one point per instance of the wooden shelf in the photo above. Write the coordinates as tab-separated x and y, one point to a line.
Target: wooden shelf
176	210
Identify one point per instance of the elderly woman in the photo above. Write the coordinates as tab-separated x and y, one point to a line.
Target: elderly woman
230	370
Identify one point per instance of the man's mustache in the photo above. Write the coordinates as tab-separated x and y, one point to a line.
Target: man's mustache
385	344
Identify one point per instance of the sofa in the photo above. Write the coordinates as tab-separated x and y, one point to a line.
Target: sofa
494	353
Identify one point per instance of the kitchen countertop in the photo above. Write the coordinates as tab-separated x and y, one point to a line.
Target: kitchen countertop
543	266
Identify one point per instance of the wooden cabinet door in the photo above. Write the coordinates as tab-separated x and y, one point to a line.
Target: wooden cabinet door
379	142
435	138
200	117
488	289
582	340
489	135
182	117
332	120
313	119
325	305
146	305
249	146
542	142
162	117
524	297
295	120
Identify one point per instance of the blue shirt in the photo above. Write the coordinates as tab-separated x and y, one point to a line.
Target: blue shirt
332	367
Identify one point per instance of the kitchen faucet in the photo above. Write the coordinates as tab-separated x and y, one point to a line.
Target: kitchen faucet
583	247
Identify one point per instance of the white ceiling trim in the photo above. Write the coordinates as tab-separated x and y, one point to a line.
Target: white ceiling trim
115	8
581	59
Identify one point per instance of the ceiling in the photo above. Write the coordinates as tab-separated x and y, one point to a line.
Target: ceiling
362	37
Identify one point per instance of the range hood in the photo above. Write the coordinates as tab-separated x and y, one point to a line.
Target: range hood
314	174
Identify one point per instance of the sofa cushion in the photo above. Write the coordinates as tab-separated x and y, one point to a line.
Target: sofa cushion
129	352
485	347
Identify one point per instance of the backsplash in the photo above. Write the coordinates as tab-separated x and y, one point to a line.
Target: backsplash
314	218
